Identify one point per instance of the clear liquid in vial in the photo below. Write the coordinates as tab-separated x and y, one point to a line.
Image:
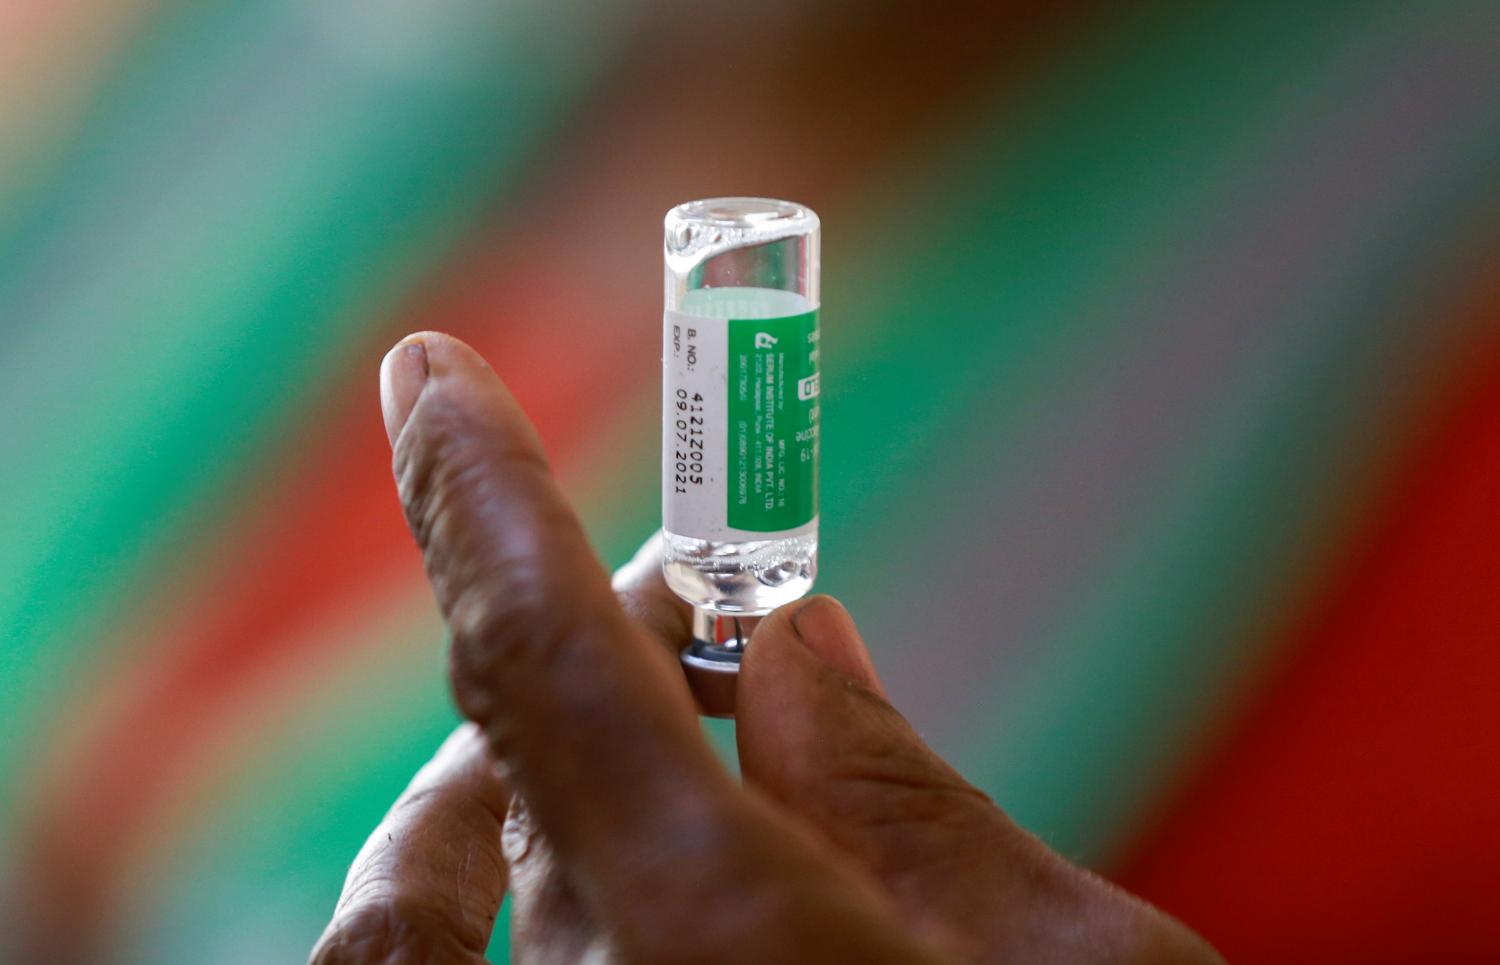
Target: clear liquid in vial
747	578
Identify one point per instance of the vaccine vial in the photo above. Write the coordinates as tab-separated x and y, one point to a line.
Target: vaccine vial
740	409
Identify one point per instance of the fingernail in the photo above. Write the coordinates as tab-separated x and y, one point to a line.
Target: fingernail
826	628
403	372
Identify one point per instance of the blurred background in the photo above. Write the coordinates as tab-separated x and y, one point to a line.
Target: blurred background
1162	420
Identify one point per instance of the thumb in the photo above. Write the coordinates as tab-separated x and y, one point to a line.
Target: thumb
817	735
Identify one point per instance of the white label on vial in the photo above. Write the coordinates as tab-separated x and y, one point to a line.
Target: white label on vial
695	426
739	425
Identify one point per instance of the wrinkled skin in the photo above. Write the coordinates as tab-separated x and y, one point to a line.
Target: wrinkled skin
583	785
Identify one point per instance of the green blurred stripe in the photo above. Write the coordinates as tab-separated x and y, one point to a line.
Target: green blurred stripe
266	178
1079	746
1081	743
1033	272
1172	631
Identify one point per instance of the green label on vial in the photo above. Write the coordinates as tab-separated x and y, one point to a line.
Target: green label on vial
773	422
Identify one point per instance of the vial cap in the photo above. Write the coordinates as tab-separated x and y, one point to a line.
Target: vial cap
713	682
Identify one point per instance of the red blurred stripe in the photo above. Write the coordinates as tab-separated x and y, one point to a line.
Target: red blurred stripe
1354	815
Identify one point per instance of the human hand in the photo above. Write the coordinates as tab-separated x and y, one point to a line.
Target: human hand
584	786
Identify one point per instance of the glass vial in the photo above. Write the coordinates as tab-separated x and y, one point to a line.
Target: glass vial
740	407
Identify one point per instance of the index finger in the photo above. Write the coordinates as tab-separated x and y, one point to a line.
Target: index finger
645	597
587	713
429	880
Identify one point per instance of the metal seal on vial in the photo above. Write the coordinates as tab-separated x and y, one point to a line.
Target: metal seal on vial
711	662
